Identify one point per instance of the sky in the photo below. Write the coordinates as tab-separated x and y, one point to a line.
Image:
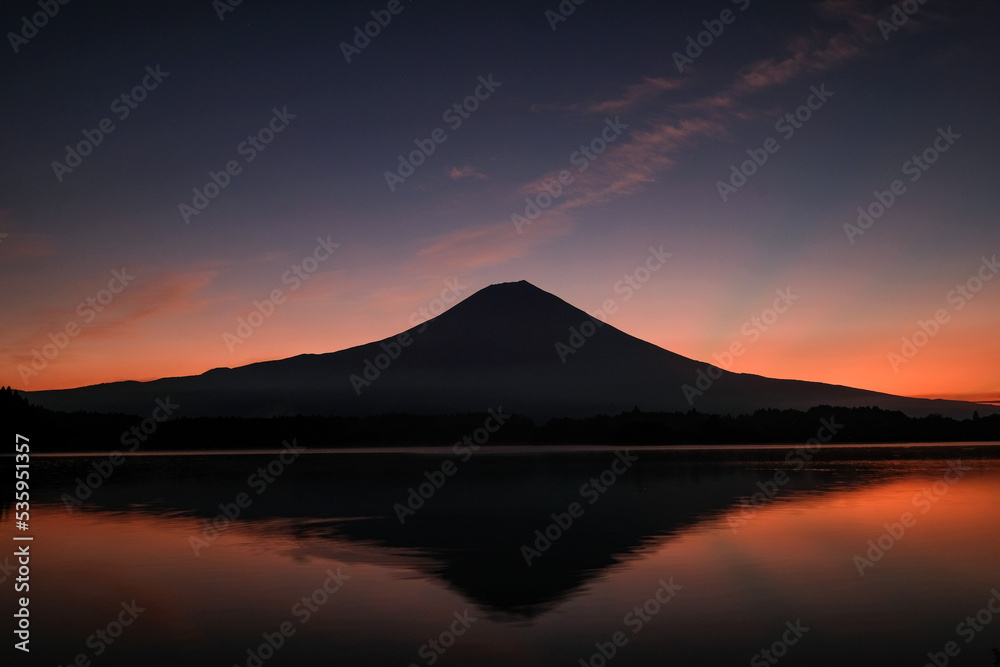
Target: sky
196	185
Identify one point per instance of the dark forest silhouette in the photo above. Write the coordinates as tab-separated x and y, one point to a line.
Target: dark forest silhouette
88	431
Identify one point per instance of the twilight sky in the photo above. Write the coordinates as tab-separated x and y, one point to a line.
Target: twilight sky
115	113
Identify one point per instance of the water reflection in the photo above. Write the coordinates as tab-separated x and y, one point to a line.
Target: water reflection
791	559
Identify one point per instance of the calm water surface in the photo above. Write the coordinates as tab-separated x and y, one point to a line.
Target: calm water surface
735	575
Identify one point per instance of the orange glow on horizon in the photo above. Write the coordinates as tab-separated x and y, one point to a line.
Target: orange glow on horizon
934	373
812	342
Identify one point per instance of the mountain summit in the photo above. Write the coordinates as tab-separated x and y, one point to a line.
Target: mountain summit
512	345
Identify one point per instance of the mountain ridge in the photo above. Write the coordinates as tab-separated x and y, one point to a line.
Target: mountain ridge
510	344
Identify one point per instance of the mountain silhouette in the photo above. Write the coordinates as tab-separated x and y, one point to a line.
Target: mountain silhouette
511	345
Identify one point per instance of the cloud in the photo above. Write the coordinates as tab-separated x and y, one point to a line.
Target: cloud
635	94
468	171
805	56
153	295
149	296
643	153
628	166
464	250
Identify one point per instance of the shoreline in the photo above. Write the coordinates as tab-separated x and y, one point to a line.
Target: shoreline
771	451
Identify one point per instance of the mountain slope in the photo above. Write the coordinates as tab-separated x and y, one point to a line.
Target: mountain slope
507	345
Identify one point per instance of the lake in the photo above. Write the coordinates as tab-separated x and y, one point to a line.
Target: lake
582	556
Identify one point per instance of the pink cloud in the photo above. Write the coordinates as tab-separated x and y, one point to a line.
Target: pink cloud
626	167
145	298
470	248
468	171
635	94
638	157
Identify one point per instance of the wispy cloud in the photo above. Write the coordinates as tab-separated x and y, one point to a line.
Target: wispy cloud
169	292
149	296
635	94
468	171
639	159
654	147
464	250
627	168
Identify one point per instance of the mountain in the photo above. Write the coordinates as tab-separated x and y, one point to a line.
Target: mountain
511	345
